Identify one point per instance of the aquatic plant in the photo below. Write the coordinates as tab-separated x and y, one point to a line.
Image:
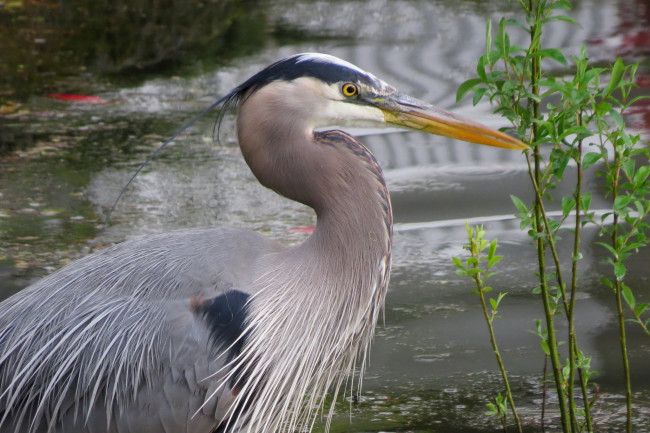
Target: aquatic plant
580	118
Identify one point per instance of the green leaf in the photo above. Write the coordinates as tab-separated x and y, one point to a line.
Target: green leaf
517	23
493	248
609	248
641	175
607	282
502	42
494	303
488	37
560	161
564	18
617	119
619	272
553	225
603	108
634	246
590	159
480	68
621	202
628	296
568	204
585	200
478	95
628	167
560	4
494	260
638	98
640	309
493	58
544	345
528	95
617	74
466	87
521	207
554	54
458	262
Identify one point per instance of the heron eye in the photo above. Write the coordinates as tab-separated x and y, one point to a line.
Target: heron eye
349	89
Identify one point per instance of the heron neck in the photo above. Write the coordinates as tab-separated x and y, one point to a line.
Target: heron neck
349	232
352	241
316	304
354	215
329	171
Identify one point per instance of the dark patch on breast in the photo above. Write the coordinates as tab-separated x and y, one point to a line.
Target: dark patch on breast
225	316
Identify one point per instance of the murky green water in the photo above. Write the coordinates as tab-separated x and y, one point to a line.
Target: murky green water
432	368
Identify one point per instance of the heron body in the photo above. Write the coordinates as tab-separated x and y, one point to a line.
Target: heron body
218	329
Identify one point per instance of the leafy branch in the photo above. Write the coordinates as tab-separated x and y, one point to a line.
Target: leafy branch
477	267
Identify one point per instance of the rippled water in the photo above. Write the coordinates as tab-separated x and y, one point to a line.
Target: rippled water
432	368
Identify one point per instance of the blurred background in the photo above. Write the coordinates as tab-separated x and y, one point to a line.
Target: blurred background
89	89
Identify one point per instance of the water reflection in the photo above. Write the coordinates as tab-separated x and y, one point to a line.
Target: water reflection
432	367
50	39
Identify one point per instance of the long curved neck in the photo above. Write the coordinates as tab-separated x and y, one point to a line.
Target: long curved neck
336	176
315	305
328	171
354	215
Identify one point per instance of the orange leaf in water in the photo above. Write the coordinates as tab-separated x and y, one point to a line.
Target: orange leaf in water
77	98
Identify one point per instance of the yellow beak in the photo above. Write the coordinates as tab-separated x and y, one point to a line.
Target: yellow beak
410	113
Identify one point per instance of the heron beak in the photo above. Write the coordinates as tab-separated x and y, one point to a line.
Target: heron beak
410	113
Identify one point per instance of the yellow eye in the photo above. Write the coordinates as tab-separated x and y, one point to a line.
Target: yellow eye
349	89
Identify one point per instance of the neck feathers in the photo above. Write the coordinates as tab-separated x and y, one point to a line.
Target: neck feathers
315	306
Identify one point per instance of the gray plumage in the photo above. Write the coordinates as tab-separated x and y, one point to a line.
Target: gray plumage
116	328
219	329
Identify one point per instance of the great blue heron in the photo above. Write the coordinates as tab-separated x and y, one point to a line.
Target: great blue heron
218	329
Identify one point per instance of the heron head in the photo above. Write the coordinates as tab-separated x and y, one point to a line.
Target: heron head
318	90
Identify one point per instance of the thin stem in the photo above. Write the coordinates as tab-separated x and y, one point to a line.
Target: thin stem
626	365
493	340
549	236
544	392
618	288
573	344
560	281
548	313
585	397
639	320
573	350
523	5
480	277
552	340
